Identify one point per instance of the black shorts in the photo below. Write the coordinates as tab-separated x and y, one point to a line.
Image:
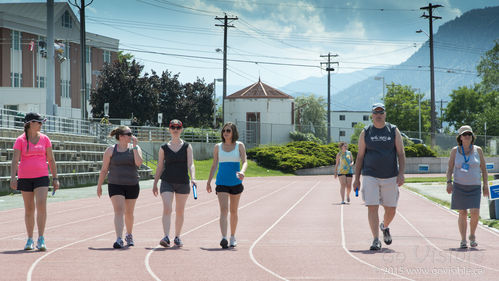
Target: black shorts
180	188
129	191
32	183
348	175
234	190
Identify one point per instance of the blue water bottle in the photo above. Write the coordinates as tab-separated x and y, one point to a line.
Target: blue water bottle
356	192
194	191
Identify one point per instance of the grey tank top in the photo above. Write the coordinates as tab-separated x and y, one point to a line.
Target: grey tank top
122	169
472	177
380	158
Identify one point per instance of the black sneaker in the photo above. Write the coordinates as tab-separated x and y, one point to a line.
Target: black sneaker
129	240
386	234
178	242
165	242
118	244
224	243
376	246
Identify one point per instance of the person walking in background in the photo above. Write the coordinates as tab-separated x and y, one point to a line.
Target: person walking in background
32	151
119	164
381	160
230	157
344	170
467	163
175	159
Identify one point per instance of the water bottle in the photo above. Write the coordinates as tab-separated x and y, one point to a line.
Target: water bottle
194	191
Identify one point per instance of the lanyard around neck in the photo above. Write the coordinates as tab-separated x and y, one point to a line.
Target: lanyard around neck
464	155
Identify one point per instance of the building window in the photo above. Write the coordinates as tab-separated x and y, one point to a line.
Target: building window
16	79
65	89
87	54
40	81
16	40
342	133
66	20
11	107
342	117
353	124
107	56
365	117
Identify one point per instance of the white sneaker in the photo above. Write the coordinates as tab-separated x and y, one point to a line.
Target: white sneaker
233	241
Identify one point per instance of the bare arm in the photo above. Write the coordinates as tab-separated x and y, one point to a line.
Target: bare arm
137	152
485	175
244	166
336	166
190	164
450	169
360	160
104	169
13	168
213	168
399	146
53	167
159	170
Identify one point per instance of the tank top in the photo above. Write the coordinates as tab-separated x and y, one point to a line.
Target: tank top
229	163
345	160
380	158
472	177
122	169
175	164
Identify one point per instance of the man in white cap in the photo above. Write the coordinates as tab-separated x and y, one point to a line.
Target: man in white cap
381	160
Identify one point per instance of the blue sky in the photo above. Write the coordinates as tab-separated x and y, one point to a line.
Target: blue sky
278	41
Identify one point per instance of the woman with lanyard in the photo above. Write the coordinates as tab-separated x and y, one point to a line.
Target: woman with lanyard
344	170
228	156
466	162
32	151
122	161
175	159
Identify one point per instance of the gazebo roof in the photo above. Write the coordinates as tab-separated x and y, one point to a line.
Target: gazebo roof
259	90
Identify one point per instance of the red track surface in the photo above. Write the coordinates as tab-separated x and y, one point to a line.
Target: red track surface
290	228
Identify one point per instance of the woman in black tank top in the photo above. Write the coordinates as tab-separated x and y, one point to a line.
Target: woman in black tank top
175	160
122	161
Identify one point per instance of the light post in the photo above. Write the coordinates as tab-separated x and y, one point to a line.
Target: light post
381	78
215	80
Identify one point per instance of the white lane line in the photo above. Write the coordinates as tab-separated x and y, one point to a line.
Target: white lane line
148	256
270	228
441	250
492	230
343	243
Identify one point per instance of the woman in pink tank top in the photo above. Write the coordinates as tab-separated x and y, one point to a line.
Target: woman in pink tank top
32	151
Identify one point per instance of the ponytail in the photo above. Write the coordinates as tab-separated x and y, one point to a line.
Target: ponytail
116	132
26	127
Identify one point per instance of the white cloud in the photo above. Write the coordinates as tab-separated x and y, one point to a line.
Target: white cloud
246	5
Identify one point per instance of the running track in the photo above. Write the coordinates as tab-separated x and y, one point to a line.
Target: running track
290	228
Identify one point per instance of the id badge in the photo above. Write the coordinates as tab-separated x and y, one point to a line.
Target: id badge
465	167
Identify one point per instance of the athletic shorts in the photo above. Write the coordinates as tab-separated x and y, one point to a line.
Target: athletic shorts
128	191
348	175
32	183
180	188
234	190
377	191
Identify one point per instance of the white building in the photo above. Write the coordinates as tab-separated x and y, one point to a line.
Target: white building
266	114
343	123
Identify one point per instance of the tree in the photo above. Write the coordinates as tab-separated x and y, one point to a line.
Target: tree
311	116
357	129
401	103
169	95
488	69
464	107
197	105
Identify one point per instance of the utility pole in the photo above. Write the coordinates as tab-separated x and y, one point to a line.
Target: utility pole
430	18
329	69
83	49
225	25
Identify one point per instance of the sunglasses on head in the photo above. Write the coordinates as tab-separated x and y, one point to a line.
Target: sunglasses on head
467	134
226	130
175	127
127	134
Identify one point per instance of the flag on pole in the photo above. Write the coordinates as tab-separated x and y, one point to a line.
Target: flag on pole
31	46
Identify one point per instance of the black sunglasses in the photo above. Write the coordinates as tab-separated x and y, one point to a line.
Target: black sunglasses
467	134
175	127
226	130
127	134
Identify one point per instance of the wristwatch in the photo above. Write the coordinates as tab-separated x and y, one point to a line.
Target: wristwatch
449	181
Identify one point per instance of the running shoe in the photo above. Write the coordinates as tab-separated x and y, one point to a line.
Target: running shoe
463	245
40	244
178	242
129	240
386	234
348	199
376	246
118	244
473	243
233	241
224	243
342	202
165	242
30	244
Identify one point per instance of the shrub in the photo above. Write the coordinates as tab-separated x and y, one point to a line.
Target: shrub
299	136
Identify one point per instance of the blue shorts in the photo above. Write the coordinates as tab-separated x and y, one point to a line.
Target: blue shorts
30	184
